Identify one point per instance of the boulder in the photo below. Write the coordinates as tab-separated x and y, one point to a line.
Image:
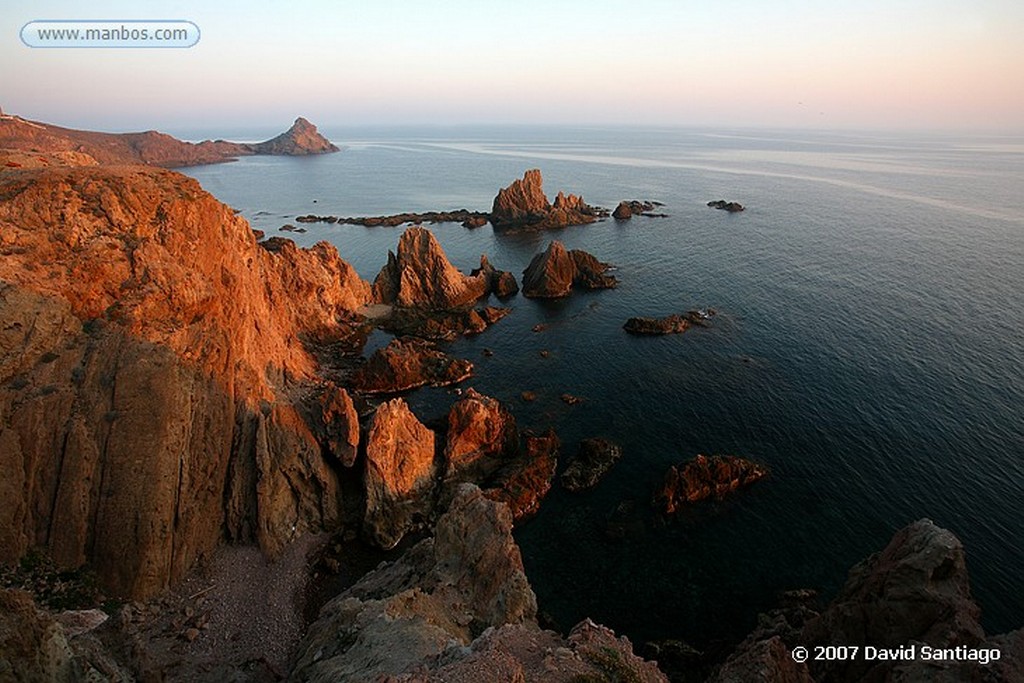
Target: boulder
36	648
408	363
731	207
705	477
421	276
593	460
400	474
622	212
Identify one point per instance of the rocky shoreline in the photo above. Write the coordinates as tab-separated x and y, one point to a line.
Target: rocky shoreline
173	390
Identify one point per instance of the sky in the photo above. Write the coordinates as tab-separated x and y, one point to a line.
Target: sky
894	64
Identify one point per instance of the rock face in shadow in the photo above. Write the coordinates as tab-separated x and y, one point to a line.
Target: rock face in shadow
457	607
420	276
400	474
500	282
83	147
35	647
408	363
523	204
915	590
147	346
593	460
705	477
555	271
301	139
335	412
914	593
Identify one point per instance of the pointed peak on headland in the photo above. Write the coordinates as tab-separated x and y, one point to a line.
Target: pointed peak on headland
301	139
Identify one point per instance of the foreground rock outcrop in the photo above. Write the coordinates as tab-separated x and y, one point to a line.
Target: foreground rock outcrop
913	594
555	271
457	607
36	647
705	477
66	146
148	345
523	204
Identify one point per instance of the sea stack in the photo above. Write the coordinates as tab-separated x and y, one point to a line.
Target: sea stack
523	204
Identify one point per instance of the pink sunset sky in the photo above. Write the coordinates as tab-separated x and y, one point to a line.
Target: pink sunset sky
894	64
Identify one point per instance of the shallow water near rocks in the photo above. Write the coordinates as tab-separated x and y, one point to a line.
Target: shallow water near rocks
869	347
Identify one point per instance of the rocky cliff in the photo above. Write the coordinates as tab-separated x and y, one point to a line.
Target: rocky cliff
66	146
148	356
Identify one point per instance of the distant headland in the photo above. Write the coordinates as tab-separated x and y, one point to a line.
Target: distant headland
31	144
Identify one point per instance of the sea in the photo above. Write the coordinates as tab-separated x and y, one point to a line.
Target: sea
868	347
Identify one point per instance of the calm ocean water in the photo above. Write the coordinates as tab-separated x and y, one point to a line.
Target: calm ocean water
869	347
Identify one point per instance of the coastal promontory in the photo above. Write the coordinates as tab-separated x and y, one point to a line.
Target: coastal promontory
31	140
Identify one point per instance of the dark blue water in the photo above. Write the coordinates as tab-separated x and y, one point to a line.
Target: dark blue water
869	347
